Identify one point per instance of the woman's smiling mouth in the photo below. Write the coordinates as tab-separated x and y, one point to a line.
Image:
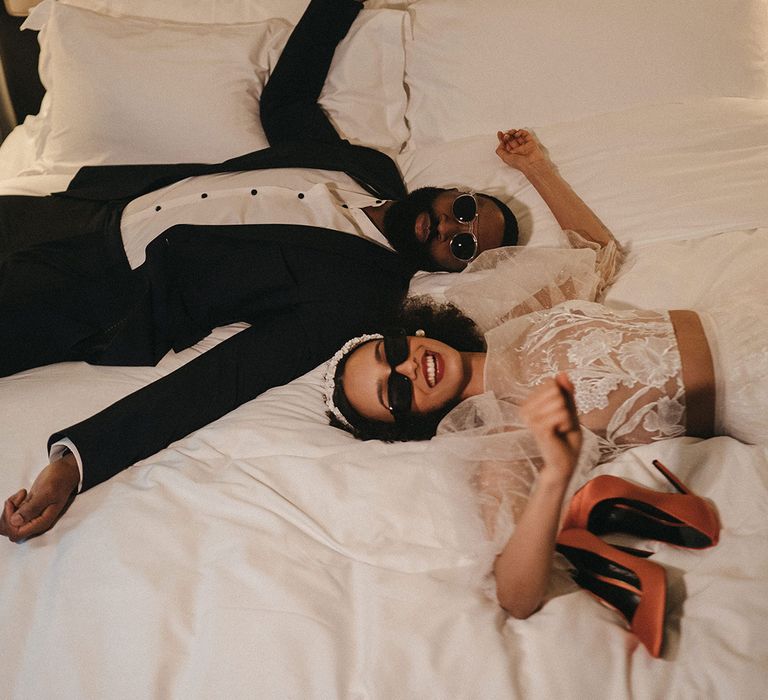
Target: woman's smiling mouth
432	368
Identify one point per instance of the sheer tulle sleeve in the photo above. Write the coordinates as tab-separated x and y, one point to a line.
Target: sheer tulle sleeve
509	282
502	462
608	260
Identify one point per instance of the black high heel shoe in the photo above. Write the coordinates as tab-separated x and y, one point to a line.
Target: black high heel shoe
610	504
634	587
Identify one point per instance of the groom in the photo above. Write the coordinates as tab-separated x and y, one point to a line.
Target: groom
116	276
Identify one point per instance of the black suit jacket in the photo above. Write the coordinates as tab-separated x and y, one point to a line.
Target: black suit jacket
374	170
305	291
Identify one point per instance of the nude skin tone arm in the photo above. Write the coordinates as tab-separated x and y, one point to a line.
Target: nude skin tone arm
519	149
523	568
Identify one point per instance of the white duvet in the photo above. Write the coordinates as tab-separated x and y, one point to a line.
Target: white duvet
269	555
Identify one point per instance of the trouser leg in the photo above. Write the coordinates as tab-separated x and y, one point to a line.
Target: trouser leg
56	295
26	222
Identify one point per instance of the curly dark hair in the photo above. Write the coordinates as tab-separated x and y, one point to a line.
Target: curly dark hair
443	322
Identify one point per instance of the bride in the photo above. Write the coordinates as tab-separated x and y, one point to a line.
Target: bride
552	370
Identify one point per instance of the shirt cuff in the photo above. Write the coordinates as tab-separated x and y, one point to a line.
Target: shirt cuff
57	451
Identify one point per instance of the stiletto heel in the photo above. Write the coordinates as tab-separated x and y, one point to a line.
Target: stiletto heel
670	477
634	587
611	504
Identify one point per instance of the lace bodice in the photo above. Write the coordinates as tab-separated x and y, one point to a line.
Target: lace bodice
625	367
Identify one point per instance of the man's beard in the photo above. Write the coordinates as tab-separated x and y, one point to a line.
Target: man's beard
400	225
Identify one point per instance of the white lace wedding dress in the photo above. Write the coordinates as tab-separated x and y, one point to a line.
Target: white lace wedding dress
540	319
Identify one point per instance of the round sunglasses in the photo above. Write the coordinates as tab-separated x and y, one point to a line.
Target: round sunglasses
465	210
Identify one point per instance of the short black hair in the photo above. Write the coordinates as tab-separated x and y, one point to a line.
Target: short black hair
511	232
443	322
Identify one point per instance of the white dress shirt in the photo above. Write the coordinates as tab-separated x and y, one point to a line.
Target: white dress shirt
284	196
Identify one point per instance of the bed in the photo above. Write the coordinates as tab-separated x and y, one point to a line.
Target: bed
270	555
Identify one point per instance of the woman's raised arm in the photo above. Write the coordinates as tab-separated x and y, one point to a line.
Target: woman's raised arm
523	567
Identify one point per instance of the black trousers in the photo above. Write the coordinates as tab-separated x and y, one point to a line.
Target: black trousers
64	280
26	222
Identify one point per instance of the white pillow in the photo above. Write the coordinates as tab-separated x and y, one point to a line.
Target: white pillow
212	11
364	94
198	11
472	68
132	90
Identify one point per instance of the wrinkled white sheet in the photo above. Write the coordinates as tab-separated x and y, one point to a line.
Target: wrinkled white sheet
269	555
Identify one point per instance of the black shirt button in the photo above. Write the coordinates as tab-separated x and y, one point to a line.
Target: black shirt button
158	208
254	192
301	195
203	195
378	201
345	206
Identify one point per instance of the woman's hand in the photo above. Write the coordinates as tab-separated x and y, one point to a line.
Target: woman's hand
26	514
550	414
520	149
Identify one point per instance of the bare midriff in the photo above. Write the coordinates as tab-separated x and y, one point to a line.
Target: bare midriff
698	373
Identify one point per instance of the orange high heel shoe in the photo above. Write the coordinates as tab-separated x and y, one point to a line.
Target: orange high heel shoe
634	587
610	504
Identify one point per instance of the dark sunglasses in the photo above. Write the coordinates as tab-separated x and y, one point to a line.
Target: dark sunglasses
399	387
464	245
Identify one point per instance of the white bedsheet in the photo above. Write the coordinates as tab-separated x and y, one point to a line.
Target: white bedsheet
269	555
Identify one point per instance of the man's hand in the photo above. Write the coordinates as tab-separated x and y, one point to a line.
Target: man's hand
519	149
550	414
26	514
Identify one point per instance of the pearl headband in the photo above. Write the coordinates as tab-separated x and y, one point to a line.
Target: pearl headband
330	374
